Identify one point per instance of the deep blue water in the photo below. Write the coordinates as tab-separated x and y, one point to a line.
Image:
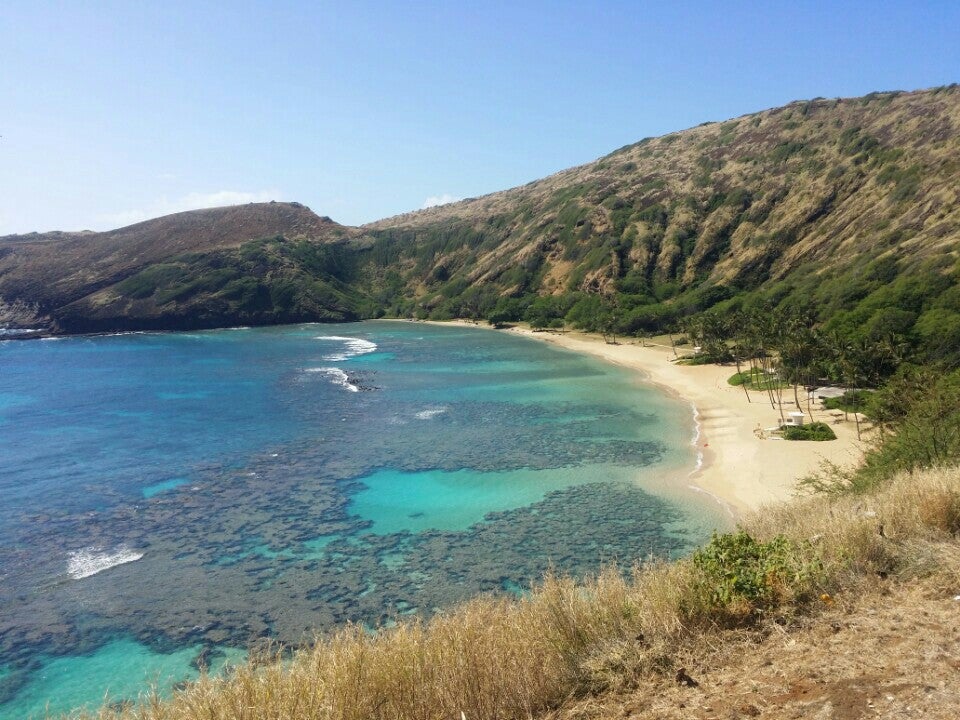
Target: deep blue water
169	499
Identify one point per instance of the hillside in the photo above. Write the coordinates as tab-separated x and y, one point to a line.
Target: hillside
256	263
815	199
890	652
849	207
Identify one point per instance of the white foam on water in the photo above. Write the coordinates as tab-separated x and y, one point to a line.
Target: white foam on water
695	441
431	413
337	377
696	425
354	347
92	560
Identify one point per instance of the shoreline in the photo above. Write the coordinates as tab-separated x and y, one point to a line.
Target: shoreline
735	467
739	471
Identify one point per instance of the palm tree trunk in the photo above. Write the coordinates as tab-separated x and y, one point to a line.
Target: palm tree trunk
740	375
856	413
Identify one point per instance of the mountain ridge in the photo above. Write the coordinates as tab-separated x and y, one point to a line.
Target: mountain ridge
782	202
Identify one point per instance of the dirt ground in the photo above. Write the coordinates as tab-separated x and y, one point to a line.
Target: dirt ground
894	653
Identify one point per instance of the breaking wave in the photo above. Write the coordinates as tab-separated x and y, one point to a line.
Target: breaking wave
92	560
430	413
337	377
354	347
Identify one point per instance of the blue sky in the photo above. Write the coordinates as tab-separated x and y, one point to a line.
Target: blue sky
112	112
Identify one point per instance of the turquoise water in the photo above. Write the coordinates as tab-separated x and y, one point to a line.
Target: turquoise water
65	683
172	498
395	501
151	490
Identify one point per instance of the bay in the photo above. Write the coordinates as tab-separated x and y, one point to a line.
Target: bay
173	499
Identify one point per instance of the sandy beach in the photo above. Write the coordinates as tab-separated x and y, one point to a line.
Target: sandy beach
739	468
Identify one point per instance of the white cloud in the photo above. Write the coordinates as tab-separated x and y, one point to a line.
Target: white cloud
193	201
435	200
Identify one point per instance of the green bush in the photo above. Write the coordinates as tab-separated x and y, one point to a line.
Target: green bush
813	431
924	409
741	571
850	401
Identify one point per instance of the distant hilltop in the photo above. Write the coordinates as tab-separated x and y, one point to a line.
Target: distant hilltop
821	201
87	281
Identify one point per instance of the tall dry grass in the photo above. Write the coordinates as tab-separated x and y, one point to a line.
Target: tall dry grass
900	527
501	658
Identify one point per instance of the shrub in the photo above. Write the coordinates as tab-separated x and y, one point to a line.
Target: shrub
925	410
743	574
813	431
850	401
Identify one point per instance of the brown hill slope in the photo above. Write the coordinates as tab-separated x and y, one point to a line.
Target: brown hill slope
890	652
812	187
850	206
69	279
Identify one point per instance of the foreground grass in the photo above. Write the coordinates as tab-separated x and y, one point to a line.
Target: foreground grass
500	658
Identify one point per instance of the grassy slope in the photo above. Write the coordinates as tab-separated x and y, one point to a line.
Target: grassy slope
890	651
815	198
611	642
266	281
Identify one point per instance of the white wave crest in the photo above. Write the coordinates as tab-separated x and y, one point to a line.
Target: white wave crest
354	347
337	377
91	560
696	425
431	413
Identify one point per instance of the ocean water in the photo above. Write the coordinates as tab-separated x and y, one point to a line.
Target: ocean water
172	499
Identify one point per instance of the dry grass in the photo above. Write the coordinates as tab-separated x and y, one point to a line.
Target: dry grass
500	658
902	527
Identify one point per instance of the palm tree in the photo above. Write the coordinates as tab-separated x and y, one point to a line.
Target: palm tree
850	360
798	353
765	332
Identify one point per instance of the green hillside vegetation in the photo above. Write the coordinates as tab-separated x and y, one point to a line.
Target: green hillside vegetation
272	280
846	209
892	521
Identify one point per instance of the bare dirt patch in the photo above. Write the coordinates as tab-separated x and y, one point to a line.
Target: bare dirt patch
893	653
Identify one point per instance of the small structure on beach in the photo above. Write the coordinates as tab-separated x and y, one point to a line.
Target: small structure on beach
794	419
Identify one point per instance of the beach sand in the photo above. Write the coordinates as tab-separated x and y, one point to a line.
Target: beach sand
739	468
